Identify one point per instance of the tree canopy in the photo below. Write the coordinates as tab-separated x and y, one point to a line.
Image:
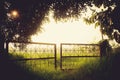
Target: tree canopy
108	18
33	12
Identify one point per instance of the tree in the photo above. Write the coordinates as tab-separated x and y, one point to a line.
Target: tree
33	13
26	24
107	19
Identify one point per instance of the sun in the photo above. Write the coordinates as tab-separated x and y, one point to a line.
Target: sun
75	31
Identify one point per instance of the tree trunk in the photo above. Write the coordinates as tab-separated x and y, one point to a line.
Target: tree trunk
117	37
2	40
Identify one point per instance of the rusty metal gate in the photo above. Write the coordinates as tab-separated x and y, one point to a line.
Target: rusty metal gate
42	54
73	52
45	54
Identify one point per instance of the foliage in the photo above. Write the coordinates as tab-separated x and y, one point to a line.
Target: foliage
107	18
32	13
31	16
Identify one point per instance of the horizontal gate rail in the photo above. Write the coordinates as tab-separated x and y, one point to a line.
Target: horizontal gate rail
31	59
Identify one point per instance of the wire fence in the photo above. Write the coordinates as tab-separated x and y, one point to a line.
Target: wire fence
24	51
45	54
69	52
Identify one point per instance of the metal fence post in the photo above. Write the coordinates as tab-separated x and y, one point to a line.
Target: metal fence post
55	54
61	56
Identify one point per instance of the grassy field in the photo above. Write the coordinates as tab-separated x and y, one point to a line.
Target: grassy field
93	68
45	68
89	69
44	71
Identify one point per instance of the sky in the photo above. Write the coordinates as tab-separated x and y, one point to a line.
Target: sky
71	31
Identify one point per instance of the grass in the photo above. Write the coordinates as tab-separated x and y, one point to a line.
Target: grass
105	68
45	68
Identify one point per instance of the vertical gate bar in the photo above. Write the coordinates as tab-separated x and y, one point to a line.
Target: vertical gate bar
61	56
55	55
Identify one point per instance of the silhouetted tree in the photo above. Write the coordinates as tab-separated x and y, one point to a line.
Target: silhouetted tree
107	18
33	12
31	15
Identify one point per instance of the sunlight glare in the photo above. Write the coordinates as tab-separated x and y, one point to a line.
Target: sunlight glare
75	31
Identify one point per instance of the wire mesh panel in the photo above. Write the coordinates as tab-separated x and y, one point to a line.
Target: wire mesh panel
69	52
32	51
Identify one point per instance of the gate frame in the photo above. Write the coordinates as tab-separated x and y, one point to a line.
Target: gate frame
61	49
55	51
